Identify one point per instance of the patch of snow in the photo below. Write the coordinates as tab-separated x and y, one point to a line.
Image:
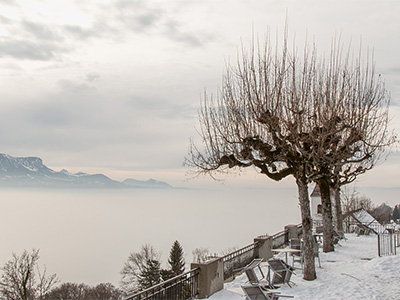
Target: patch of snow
80	174
30	168
352	271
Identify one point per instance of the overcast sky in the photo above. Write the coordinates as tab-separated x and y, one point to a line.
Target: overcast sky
114	86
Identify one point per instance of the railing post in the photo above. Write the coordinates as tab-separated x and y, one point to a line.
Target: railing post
292	232
211	277
392	246
264	249
379	246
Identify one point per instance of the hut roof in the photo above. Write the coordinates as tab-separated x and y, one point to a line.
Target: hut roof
316	192
366	220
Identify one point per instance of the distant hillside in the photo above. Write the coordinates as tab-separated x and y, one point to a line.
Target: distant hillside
31	172
151	183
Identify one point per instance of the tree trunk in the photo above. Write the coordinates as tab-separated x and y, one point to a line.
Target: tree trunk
339	213
327	220
308	243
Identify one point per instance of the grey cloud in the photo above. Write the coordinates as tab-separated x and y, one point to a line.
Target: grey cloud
80	123
91	77
9	2
63	124
141	17
162	108
147	19
11	66
33	126
99	29
40	31
79	31
174	32
31	40
58	111
138	15
39	41
51	114
52	117
4	20
23	49
75	87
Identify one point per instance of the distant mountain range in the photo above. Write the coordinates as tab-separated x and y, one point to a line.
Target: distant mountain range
31	172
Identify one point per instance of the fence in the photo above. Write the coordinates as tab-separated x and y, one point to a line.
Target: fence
182	287
238	259
387	243
280	239
245	255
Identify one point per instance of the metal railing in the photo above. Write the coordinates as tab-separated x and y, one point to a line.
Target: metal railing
387	243
238	259
181	287
280	239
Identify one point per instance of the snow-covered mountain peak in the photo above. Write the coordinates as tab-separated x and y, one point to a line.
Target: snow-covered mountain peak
31	172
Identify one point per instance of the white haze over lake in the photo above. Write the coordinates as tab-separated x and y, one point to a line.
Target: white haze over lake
87	235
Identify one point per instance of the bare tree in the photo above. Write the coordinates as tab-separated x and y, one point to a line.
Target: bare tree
351	127
69	291
45	283
200	254
75	291
304	117
352	201
104	291
258	120
137	266
19	280
346	172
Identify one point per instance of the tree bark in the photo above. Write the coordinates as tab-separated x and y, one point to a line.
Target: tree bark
339	213
327	218
308	243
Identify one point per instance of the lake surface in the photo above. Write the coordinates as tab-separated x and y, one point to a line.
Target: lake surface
87	235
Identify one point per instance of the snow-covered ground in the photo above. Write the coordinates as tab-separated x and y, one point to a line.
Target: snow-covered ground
353	271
